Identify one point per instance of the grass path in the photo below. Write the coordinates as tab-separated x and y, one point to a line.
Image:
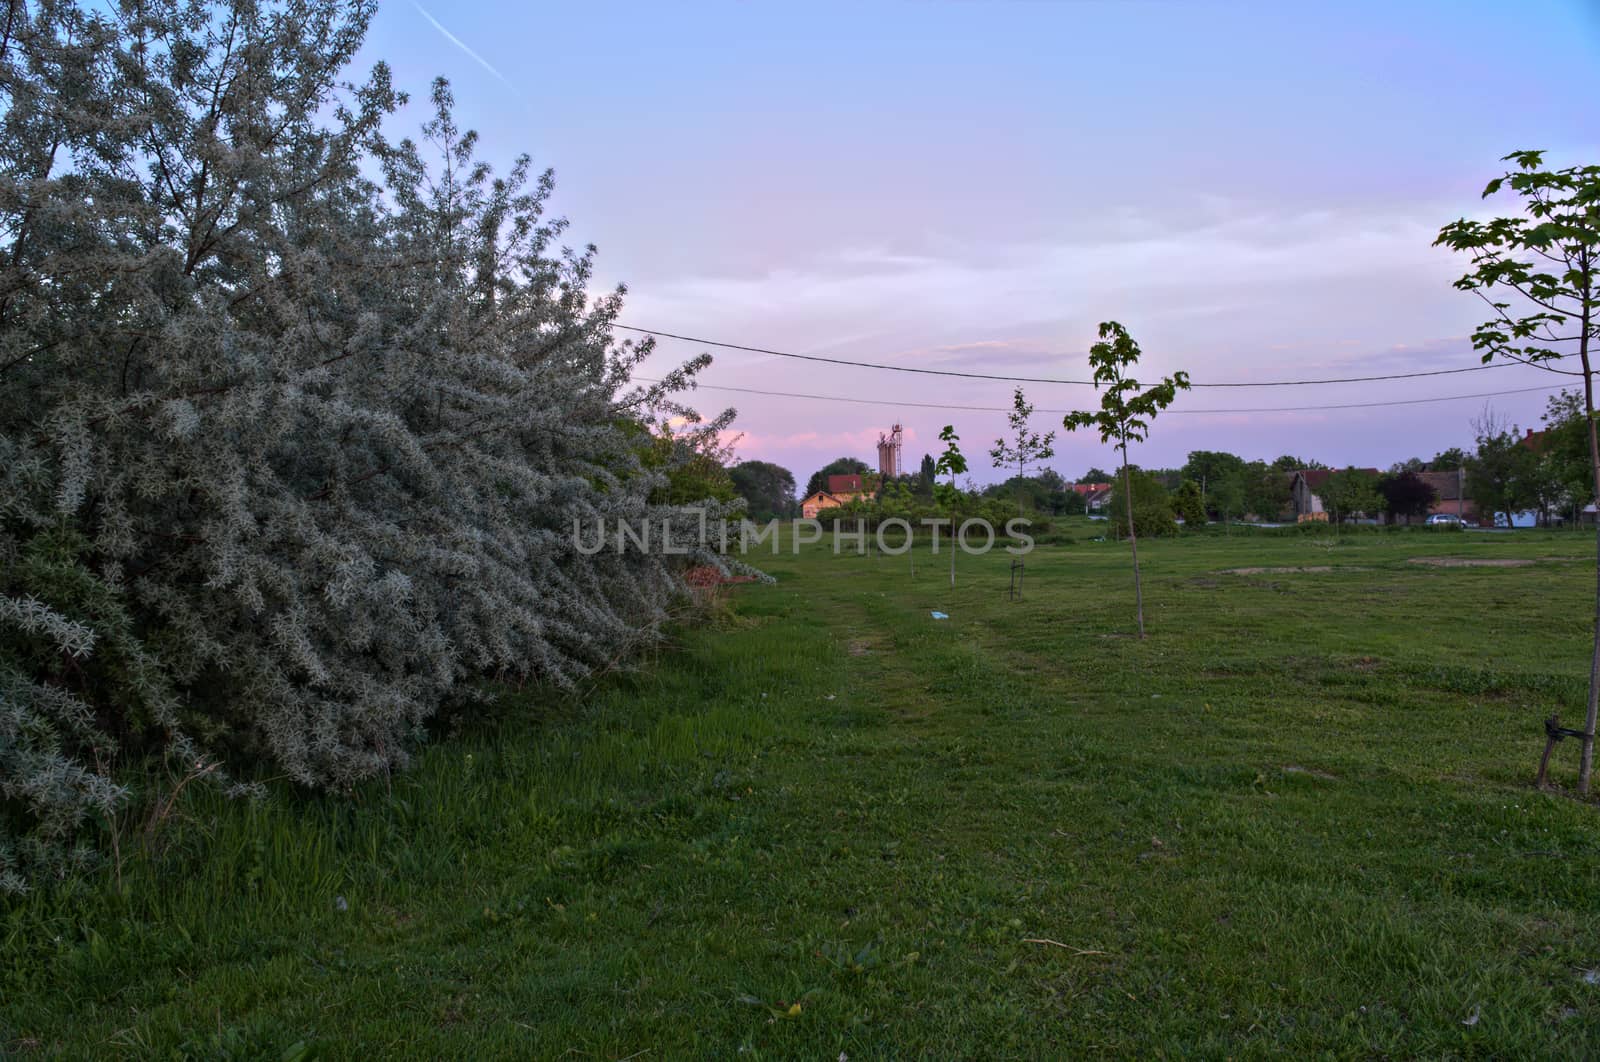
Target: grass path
1297	818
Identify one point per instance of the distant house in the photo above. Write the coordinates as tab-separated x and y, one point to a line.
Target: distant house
1303	486
1449	493
1096	496
1304	483
841	490
1451	490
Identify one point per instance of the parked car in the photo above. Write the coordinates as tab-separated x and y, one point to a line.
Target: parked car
1444	518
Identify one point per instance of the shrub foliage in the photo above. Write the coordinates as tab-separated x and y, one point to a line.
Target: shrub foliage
296	421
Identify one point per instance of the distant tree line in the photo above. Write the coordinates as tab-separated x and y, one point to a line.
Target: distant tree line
1215	485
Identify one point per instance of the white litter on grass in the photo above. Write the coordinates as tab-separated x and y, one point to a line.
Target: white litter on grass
939	615
1591	977
1471	1019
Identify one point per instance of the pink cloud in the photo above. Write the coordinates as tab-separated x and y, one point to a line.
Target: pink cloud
861	443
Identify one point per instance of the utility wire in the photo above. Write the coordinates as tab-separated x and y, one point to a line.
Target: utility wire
1006	409
1053	380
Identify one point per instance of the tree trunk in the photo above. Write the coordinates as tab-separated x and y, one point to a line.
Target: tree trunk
1133	541
952	551
1586	764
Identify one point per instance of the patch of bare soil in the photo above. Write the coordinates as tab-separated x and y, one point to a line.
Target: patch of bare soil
861	647
1275	571
1295	768
1460	562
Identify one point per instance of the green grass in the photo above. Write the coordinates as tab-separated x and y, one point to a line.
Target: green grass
1298	818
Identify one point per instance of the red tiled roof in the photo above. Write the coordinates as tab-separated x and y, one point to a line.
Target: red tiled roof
844	484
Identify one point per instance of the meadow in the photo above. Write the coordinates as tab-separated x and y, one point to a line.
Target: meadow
1299	817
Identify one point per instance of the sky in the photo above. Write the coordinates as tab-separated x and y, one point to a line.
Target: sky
1251	188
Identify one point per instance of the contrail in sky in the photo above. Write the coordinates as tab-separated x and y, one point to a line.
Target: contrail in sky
459	43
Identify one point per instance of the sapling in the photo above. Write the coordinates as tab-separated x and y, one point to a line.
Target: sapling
951	463
1026	448
1125	413
1539	274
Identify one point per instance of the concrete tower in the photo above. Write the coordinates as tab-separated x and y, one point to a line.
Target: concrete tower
889	453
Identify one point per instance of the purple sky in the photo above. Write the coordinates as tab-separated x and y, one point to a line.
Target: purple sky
1253	190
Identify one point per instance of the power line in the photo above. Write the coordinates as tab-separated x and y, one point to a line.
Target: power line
1007	409
1054	380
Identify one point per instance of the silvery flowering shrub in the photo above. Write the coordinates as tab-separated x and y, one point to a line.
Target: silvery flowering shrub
295	420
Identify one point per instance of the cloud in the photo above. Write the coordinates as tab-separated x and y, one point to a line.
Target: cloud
1223	290
459	43
862	442
992	355
1228	291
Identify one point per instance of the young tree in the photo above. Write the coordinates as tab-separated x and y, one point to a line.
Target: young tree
1227	497
1266	491
1539	273
1125	413
1152	505
693	461
1188	506
1027	447
1498	474
1219	475
1543	486
1407	494
1565	454
952	463
1351	491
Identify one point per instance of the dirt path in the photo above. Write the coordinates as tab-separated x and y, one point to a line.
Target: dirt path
1461	562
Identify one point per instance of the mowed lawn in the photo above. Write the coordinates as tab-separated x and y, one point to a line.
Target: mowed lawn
1298	818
